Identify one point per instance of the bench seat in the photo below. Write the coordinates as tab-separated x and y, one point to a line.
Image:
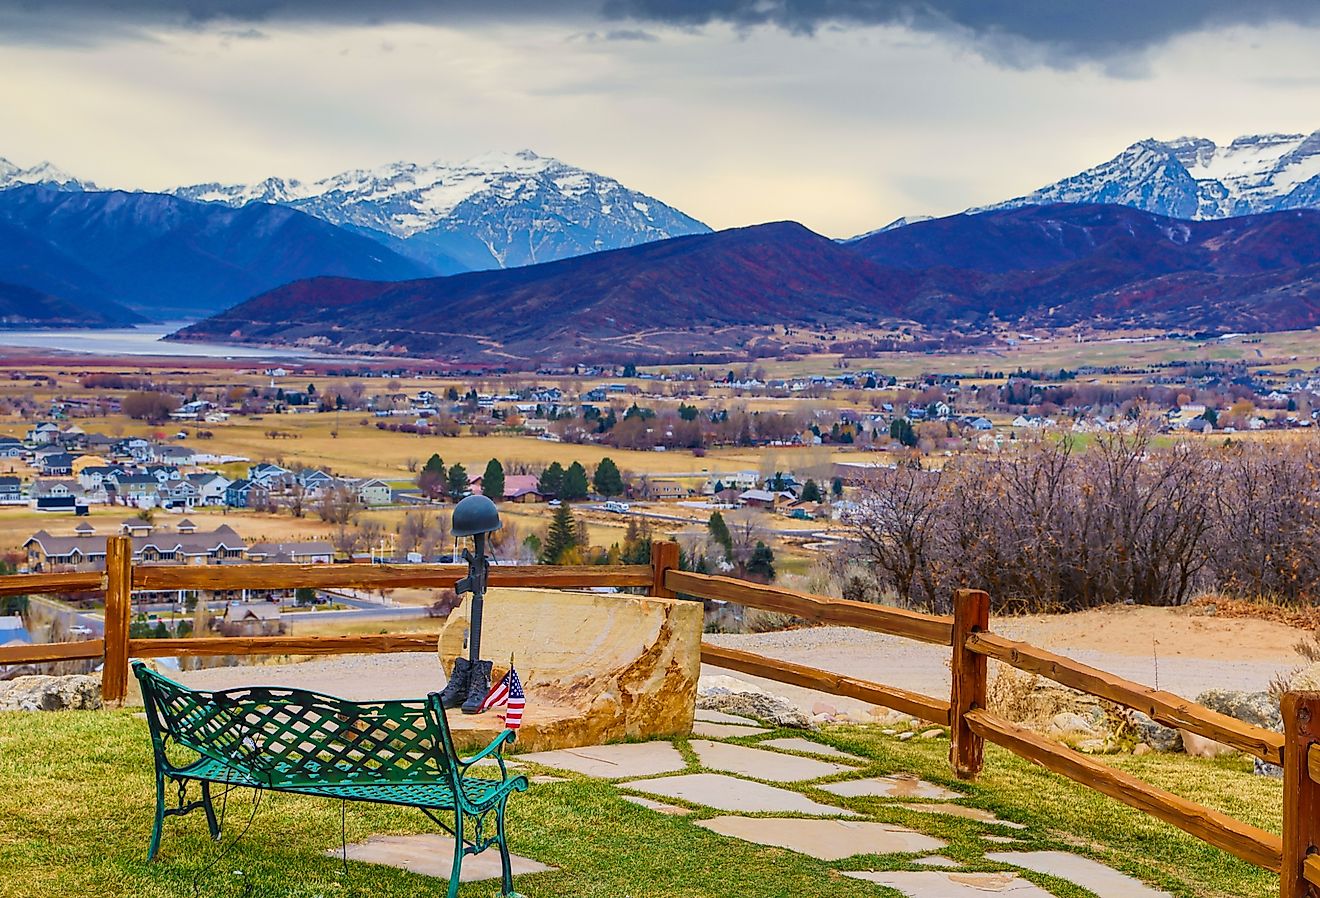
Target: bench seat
305	743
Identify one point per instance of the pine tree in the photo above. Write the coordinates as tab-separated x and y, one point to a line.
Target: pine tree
575	483
457	482
435	463
551	482
762	564
562	536
836	487
607	480
811	492
492	481
433	478
719	532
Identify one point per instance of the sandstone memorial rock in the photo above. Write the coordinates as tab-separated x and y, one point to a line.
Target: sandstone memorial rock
597	667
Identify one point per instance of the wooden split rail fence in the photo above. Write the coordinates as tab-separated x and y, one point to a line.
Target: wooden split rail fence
1295	856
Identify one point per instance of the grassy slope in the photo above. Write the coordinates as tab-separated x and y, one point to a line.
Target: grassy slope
75	815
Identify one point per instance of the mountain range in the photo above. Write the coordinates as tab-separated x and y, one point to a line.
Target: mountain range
1104	266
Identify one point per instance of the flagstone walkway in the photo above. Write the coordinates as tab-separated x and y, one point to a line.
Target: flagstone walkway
909	837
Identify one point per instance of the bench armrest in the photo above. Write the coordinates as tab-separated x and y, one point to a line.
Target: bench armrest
493	749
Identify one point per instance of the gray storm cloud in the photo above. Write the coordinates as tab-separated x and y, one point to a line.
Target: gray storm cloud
1015	31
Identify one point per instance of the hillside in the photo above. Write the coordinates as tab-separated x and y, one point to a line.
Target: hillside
168	257
23	307
690	293
1108	266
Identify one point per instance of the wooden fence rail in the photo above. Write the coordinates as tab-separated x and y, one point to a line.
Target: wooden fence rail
1295	855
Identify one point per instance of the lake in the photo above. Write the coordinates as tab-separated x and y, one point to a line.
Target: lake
144	340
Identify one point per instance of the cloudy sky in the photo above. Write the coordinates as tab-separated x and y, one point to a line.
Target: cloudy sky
842	114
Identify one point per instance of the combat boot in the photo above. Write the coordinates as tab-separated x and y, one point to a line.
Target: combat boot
478	686
456	690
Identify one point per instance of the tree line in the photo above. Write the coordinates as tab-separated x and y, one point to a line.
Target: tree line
1051	527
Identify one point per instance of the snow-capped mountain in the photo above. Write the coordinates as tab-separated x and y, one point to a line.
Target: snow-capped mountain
1193	178
495	211
42	173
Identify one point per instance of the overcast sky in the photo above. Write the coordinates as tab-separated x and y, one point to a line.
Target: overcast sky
842	115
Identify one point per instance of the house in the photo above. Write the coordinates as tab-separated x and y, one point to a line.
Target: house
11	491
55	464
734	480
136	527
517	488
176	494
11	447
315	482
373	492
174	455
292	553
246	494
668	490
95	476
764	499
210	488
43	434
268	474
137	490
254	619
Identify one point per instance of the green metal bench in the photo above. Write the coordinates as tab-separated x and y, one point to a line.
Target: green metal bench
292	740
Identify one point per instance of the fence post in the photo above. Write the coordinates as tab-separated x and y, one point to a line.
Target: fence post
1301	793
971	614
664	557
118	616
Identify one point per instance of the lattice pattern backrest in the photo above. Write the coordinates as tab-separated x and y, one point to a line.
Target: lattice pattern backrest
285	736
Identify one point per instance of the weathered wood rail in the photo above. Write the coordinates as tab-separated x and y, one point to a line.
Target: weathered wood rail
1295	856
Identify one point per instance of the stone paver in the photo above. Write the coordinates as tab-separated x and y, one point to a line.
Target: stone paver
896	786
543	779
957	810
727	793
935	884
827	840
1091	875
653	805
724	730
1001	840
761	764
937	860
797	743
630	759
433	855
725	717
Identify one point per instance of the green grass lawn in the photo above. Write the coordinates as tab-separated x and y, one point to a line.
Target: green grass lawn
76	798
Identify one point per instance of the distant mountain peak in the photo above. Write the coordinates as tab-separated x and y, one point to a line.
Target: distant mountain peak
1195	178
12	175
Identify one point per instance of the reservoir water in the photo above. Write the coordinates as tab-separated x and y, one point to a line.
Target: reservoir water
145	340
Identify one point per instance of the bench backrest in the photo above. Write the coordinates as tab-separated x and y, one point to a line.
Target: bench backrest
288	737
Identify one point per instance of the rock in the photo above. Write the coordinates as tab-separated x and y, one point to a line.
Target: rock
1141	748
1264	768
1155	735
903	737
1201	747
596	667
1256	708
933	734
824	708
890	732
769	709
79	692
1093	746
1070	722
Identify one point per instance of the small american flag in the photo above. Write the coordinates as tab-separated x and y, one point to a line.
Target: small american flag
508	692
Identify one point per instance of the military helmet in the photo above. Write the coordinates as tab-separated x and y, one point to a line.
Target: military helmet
475	514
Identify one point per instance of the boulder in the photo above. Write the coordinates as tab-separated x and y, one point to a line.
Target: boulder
1257	708
1306	680
596	667
1155	735
771	710
78	692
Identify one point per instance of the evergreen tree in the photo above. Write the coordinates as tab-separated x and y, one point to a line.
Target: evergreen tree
607	480
719	533
811	492
492	481
551	482
575	483
457	482
433	478
836	487
562	537
636	543
719	486
762	564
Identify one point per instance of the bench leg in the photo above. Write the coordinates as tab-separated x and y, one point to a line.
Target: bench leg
211	822
160	816
458	854
507	869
